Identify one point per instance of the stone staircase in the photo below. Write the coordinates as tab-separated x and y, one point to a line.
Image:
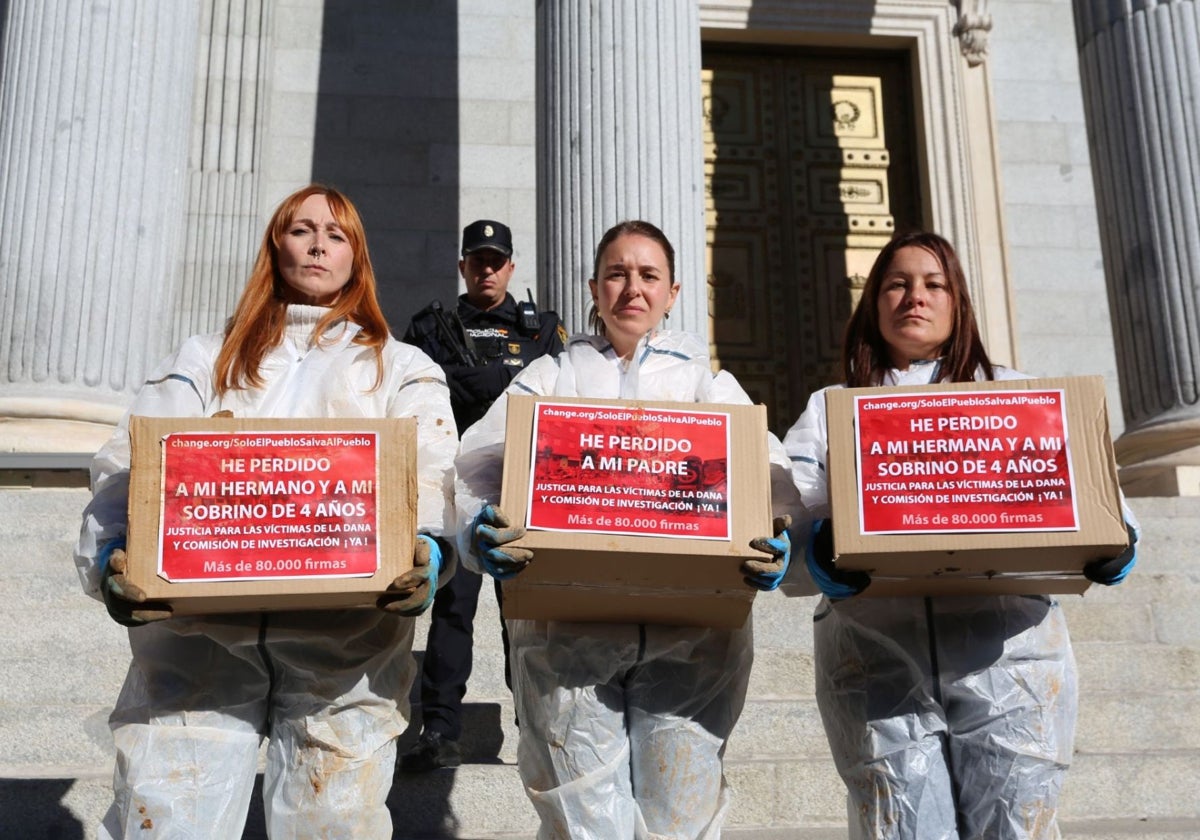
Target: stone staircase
1137	766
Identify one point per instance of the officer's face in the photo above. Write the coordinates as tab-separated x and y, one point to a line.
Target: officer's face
632	290
487	273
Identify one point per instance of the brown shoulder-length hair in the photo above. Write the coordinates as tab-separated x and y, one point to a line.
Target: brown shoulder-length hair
258	322
631	227
865	354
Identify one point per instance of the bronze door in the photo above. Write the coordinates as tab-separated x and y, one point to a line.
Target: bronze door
809	169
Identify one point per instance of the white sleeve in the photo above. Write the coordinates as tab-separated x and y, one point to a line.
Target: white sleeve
807	446
423	394
785	498
786	501
479	467
178	387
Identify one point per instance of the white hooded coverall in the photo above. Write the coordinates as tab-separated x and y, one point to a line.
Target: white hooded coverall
623	726
328	687
948	717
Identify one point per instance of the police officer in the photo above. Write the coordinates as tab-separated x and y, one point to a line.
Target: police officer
487	340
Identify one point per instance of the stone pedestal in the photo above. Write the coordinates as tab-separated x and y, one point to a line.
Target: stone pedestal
1161	460
619	137
1142	99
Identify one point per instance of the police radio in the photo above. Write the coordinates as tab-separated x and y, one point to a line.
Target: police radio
527	317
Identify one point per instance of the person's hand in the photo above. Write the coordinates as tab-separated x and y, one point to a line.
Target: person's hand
412	593
480	383
125	601
836	584
767	574
1109	571
491	531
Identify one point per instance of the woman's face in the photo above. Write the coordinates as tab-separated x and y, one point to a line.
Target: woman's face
632	289
315	256
916	306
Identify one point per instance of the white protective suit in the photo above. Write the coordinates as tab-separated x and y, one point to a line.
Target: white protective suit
948	717
328	687
623	726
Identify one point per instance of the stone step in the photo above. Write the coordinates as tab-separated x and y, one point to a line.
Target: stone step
484	803
1138	648
1131	829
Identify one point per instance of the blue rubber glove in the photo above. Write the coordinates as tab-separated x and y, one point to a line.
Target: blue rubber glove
492	530
126	602
836	584
412	593
1109	571
767	574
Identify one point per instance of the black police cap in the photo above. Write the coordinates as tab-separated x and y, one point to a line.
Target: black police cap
486	233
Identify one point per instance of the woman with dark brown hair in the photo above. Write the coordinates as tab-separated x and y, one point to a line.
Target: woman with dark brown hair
328	687
948	717
623	726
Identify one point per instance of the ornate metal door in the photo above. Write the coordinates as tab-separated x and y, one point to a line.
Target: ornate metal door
809	170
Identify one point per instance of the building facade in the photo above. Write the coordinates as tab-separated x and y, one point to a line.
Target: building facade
778	143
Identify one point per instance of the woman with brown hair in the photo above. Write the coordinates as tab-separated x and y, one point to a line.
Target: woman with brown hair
327	687
623	726
948	717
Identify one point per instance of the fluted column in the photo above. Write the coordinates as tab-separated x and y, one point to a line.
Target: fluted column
95	99
1140	68
224	217
619	137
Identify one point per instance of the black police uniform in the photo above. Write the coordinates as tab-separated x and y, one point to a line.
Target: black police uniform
503	347
504	350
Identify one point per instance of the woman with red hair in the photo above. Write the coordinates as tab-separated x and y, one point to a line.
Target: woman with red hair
327	687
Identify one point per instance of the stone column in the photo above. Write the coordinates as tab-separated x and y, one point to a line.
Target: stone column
95	102
619	137
1140	68
224	225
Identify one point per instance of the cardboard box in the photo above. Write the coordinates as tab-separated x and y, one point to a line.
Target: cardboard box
591	569
254	514
974	488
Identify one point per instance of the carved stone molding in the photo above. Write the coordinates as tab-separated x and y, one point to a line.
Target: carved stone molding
974	24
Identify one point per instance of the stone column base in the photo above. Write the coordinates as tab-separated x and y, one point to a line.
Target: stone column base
51	435
1161	460
1148	480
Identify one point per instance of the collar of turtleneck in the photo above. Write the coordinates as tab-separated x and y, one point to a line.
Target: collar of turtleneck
302	320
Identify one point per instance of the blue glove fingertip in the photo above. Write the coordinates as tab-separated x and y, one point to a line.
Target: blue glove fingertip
1101	571
826	575
104	555
435	552
781	546
479	528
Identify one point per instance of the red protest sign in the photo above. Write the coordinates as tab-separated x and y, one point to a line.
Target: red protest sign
616	470
268	505
958	461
